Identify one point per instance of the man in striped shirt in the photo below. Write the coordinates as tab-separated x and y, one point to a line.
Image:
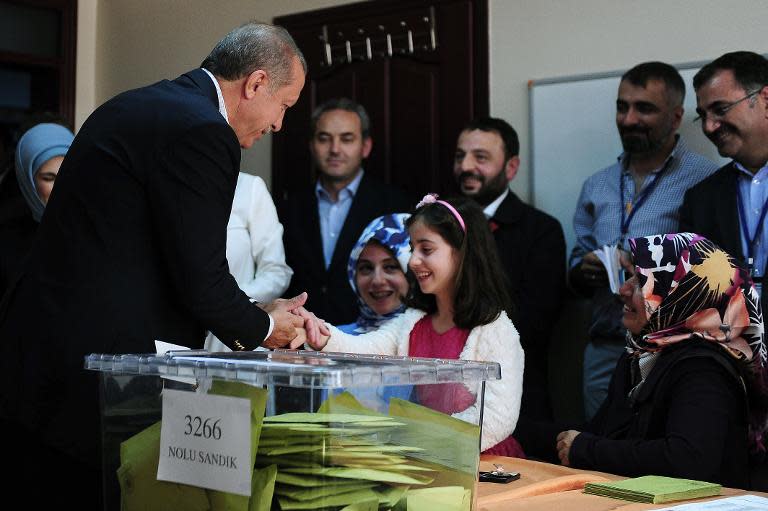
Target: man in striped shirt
639	195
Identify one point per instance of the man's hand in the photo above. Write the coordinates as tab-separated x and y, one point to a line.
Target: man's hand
625	259
286	321
593	272
564	441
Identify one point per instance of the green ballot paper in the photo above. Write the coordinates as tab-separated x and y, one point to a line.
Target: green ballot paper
654	489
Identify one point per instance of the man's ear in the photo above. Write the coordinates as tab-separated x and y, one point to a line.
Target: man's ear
764	94
510	169
258	78
677	112
367	146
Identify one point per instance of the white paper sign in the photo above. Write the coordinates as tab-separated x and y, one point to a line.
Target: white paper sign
205	441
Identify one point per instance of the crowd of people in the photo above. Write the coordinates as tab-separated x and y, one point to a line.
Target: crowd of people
152	232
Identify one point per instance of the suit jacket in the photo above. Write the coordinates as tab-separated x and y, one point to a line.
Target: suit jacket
131	248
710	209
330	296
532	250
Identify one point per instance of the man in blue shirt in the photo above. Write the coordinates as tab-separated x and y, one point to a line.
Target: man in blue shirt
323	223
639	195
730	206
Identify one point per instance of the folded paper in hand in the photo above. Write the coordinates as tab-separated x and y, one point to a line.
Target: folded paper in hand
610	256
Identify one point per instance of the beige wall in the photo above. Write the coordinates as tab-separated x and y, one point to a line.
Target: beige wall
128	43
552	38
124	44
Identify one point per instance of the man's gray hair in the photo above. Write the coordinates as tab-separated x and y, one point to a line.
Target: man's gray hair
347	105
255	46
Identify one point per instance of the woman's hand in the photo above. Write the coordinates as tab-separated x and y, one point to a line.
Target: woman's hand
564	441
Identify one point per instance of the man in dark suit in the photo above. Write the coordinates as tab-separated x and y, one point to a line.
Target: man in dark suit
530	243
131	247
729	207
322	223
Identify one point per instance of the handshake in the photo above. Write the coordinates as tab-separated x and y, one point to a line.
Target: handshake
294	325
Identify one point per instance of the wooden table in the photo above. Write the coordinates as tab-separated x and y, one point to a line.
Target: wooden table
490	494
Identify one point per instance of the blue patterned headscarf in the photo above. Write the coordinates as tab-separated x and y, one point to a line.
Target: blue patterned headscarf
38	145
390	231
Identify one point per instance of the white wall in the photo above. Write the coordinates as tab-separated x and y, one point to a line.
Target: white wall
553	38
129	43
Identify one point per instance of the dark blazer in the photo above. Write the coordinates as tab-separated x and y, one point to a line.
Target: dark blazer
131	248
710	209
689	420
532	251
330	296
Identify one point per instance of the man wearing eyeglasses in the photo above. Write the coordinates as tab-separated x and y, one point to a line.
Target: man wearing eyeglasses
639	195
730	206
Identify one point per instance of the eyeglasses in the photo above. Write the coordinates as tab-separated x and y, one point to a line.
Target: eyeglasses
719	111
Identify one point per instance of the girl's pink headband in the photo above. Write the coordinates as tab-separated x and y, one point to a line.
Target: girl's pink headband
432	198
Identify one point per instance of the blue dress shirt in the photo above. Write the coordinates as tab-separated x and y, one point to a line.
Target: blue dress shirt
754	194
333	214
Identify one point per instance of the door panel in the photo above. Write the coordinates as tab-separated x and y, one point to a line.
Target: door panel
420	70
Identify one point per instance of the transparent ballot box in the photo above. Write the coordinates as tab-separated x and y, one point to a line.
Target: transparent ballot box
289	430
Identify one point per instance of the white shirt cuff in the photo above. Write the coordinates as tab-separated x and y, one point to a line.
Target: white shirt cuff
271	327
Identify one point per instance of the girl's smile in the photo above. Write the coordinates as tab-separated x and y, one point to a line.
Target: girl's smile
433	261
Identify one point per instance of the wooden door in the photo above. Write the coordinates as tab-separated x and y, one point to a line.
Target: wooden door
420	69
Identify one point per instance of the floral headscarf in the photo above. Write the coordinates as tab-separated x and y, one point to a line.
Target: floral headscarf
391	233
694	289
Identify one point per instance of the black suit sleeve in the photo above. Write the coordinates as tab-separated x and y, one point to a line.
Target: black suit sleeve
703	400
191	195
687	213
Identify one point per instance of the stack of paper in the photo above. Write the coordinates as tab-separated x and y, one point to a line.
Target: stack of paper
654	489
337	459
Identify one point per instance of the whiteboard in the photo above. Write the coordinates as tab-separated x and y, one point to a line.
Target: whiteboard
573	135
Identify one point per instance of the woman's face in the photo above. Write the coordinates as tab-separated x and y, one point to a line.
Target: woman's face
45	177
634	306
380	280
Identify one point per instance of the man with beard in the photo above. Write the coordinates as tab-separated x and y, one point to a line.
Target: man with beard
530	243
730	206
637	196
323	222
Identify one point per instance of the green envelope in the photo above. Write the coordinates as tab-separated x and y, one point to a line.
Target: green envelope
300	493
368	474
222	501
365	505
444	498
262	488
309	481
346	403
447	441
342	499
139	487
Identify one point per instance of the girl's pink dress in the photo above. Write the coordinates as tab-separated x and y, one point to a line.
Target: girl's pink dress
454	397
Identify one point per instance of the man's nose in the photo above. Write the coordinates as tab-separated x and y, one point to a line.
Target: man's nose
629	117
278	123
467	163
335	145
709	124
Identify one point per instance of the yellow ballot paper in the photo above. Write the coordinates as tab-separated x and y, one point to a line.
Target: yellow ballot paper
140	489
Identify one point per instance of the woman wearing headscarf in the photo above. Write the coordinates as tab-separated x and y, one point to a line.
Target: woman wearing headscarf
376	271
39	154
688	398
